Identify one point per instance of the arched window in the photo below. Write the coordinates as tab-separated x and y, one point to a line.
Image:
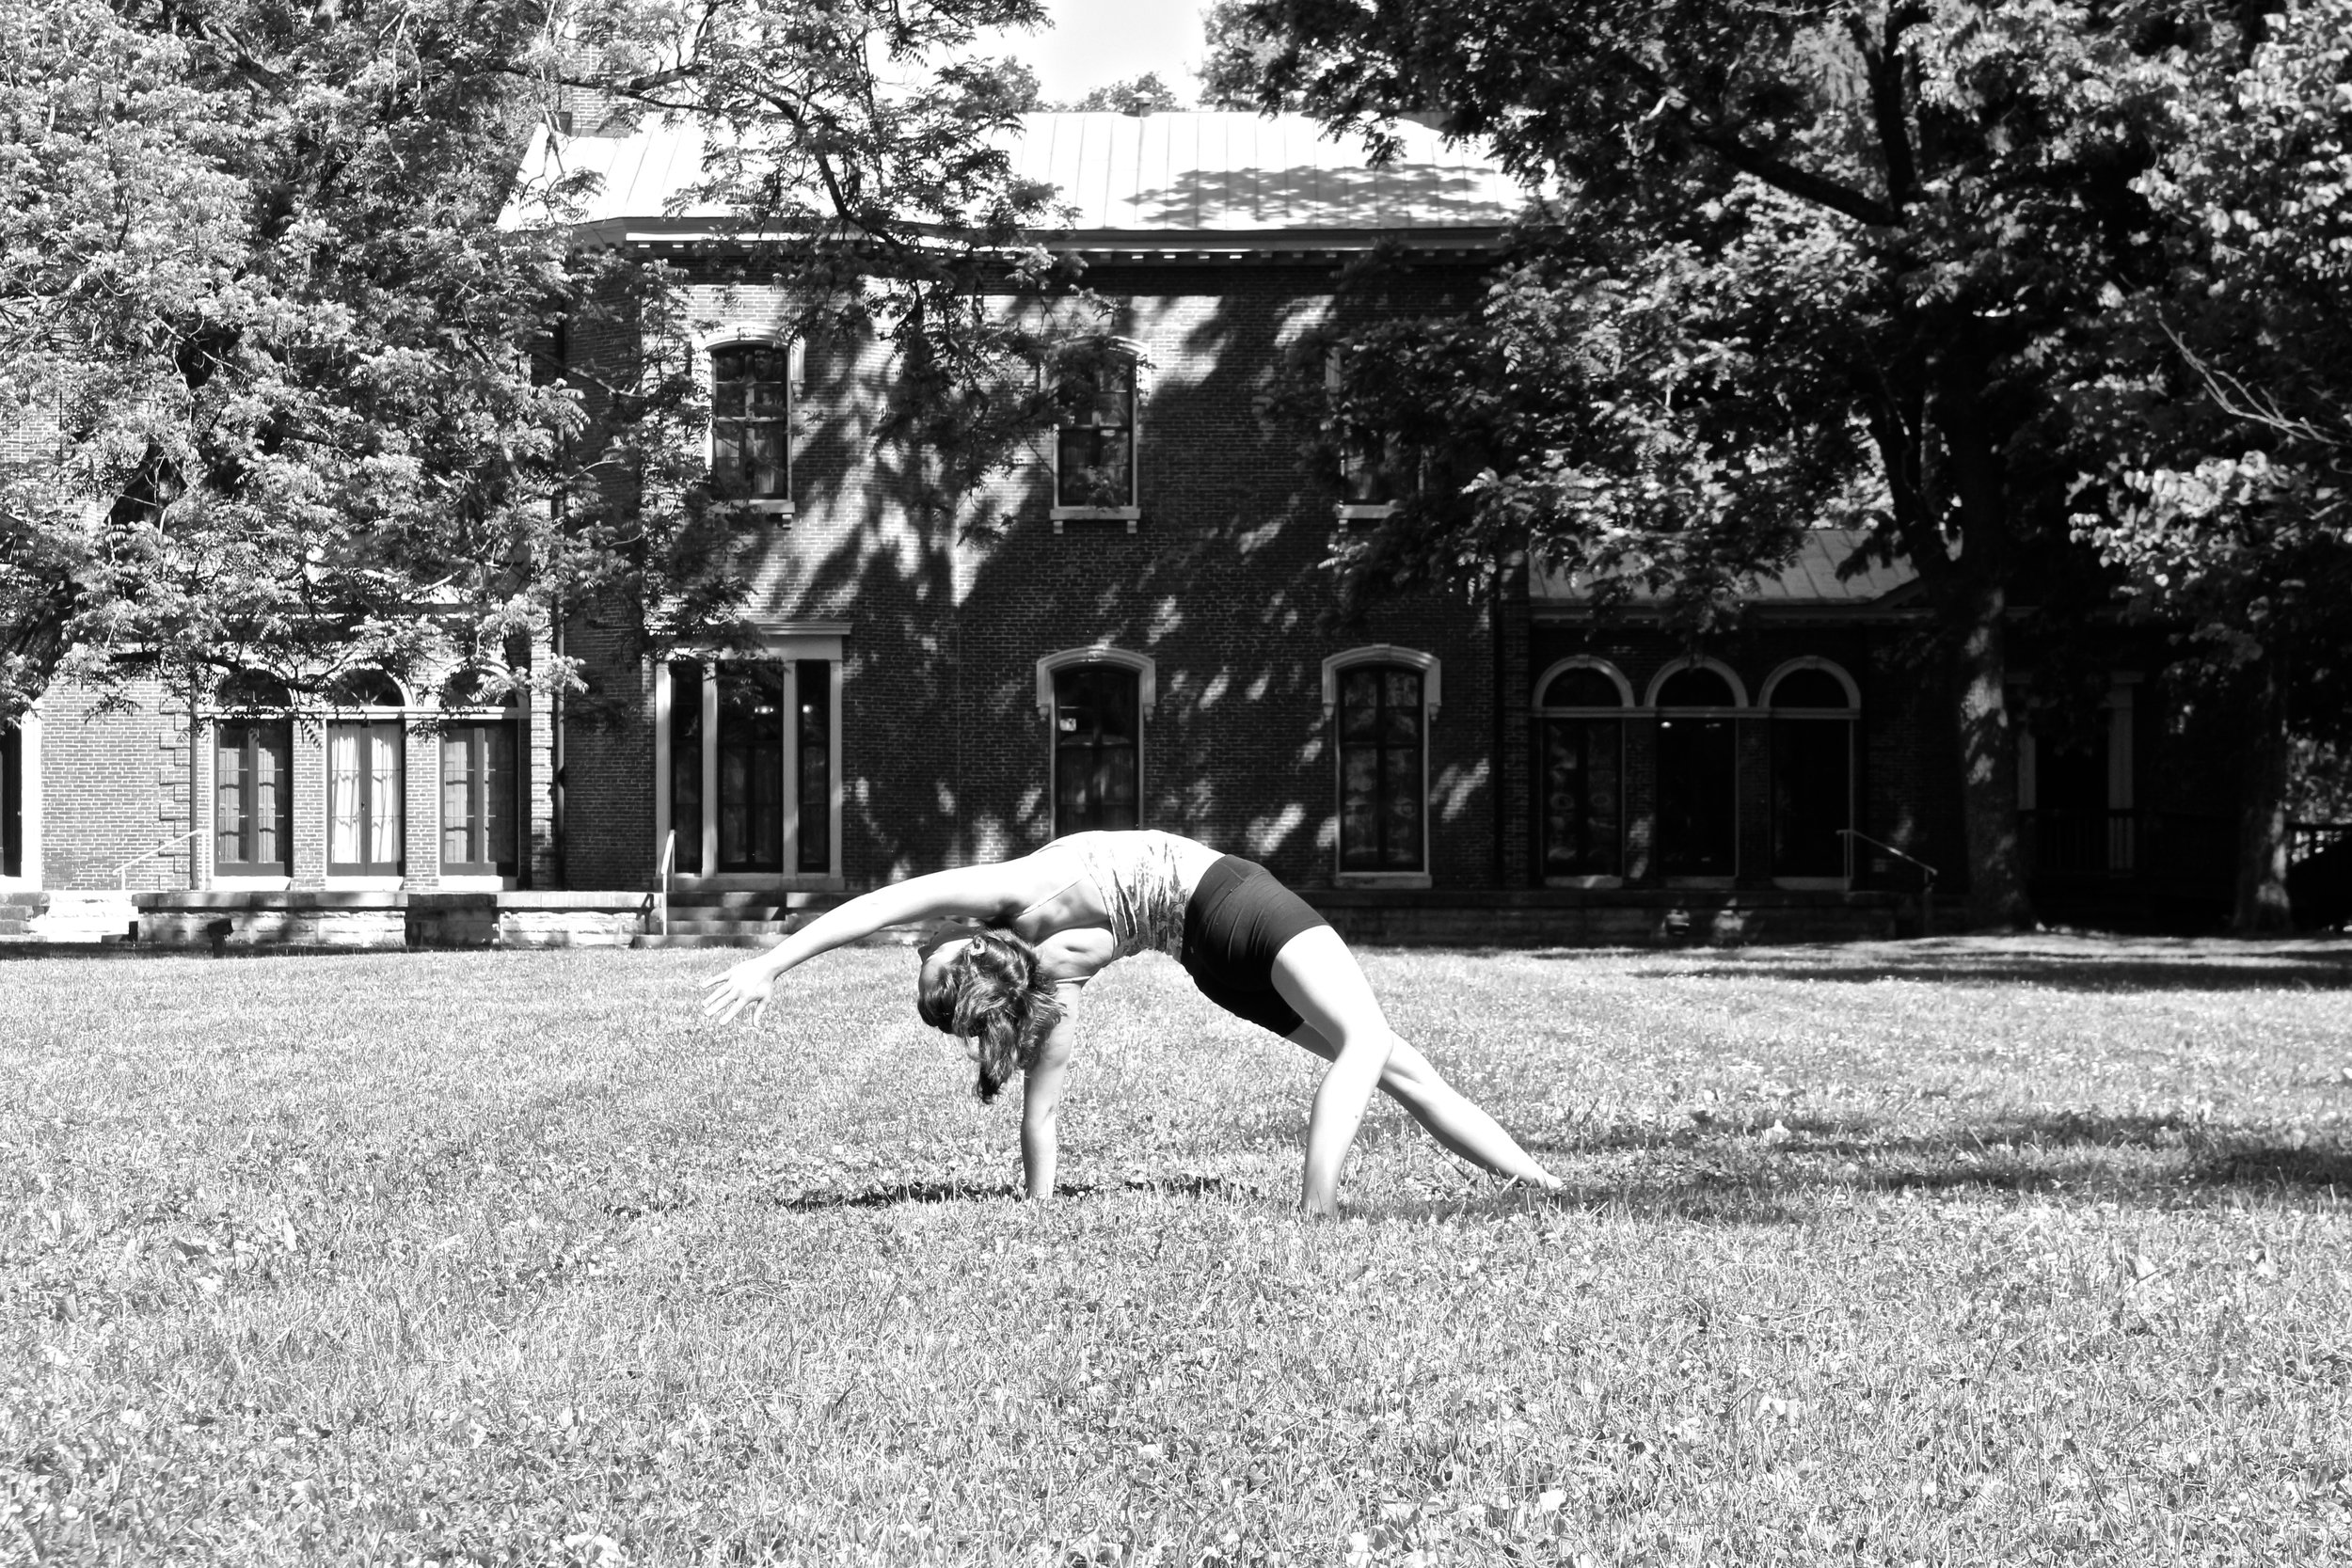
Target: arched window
11	801
751	422
1698	770
1098	748
480	785
1813	706
252	783
1096	434
1382	701
366	777
1580	761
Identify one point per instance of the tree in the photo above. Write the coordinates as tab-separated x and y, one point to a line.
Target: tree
1139	96
1926	211
1240	51
275	370
2224	499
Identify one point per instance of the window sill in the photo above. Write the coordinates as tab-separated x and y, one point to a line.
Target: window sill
777	512
1697	882
1381	878
1130	516
1363	511
251	882
1813	884
1593	881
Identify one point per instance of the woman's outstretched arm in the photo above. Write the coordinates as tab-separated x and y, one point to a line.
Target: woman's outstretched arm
1041	1104
974	892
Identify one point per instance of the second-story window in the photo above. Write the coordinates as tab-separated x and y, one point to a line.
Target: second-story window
1095	449
750	422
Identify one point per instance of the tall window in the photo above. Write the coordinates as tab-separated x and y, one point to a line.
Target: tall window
366	779
751	767
685	766
815	763
11	802
1698	796
480	825
750	421
1374	466
1095	449
1812	726
1380	745
252	774
1580	762
748	749
1097	748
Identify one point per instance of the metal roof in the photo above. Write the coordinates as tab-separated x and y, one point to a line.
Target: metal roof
1212	179
1811	579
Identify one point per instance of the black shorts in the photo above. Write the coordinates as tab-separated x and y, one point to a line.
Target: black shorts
1238	919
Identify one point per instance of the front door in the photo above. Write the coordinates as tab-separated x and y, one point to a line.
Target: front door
1097	748
751	767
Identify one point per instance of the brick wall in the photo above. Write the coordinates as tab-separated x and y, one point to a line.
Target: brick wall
116	783
946	757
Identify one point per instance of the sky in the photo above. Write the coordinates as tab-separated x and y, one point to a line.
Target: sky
1095	42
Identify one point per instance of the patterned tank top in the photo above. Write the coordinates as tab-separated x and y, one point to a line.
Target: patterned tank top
1142	883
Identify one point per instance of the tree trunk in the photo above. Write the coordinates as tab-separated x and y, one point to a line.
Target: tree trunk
1977	610
1988	764
2262	906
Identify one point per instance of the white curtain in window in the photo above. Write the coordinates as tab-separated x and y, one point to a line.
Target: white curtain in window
343	796
383	793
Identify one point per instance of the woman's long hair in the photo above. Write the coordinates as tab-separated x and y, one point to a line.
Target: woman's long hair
993	996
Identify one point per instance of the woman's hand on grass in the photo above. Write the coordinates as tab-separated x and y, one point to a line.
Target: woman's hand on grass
749	984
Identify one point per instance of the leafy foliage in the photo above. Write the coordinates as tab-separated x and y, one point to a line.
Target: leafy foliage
1137	95
1923	218
2228	496
285	384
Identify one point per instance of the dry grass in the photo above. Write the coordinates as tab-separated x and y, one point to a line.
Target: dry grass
1949	1253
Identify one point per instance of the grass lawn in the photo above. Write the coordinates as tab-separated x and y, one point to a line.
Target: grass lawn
1943	1253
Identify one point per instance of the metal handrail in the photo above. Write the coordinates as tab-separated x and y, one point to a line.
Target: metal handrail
122	872
1927	883
661	892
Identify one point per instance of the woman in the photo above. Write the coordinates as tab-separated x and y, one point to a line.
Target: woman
1050	922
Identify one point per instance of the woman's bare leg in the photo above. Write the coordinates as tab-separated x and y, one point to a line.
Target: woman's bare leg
1466	1130
1319	977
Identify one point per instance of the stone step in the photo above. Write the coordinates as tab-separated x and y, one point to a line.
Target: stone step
87	917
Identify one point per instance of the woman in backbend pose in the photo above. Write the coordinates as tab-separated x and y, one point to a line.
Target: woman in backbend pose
1018	939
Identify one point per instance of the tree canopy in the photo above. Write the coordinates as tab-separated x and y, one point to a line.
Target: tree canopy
278	382
1920	224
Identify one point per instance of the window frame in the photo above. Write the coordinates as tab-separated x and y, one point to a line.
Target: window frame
1146	672
1432	700
266	701
1738	709
1352	442
1130	353
1851	717
793	645
1621	716
15	800
780	508
458	716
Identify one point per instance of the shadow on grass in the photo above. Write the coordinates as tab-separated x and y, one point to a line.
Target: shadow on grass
2314	966
892	1194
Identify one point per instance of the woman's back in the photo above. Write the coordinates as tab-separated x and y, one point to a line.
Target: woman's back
1134	883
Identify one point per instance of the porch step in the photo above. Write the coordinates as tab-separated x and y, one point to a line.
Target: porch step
89	918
